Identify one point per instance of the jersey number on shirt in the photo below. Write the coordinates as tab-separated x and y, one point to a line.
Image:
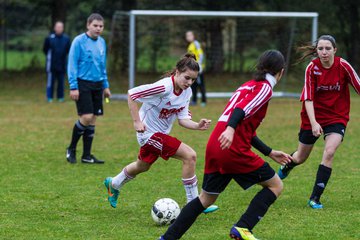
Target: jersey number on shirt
226	114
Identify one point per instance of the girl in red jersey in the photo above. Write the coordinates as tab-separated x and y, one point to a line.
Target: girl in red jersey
229	155
326	106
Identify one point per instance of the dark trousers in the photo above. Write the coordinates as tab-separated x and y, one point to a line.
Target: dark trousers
53	77
199	83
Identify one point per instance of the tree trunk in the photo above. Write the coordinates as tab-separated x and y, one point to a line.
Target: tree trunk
58	11
216	52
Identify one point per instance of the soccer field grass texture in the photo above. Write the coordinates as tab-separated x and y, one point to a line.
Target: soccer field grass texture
44	197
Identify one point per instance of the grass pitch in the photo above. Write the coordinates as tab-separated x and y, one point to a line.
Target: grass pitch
44	197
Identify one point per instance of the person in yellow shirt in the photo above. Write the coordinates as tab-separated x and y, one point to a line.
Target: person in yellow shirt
195	48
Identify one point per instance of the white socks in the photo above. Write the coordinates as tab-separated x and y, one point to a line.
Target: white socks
121	179
190	185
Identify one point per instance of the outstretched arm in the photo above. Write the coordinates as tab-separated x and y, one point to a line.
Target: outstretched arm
203	124
278	156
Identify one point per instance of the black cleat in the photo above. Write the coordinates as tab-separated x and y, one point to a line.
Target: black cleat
71	155
91	159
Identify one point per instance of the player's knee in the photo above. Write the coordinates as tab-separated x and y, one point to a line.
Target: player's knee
301	158
329	152
277	187
191	157
142	166
87	119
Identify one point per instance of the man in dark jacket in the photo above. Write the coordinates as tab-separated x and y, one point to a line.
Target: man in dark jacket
56	48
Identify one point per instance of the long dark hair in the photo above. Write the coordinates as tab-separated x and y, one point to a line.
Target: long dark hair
186	62
270	61
310	49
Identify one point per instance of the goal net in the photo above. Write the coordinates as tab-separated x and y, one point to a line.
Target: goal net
147	43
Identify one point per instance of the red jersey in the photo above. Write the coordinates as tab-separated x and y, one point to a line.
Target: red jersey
328	88
252	97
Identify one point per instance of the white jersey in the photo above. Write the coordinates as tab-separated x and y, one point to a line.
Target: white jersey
161	106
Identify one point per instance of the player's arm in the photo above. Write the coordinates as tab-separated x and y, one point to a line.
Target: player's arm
144	93
278	156
73	60
307	97
354	79
184	119
244	108
134	112
106	84
315	126
203	124
226	138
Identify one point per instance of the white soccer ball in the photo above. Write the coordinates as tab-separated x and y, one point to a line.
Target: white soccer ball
165	211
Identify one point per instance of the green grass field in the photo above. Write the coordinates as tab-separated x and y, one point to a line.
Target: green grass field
44	197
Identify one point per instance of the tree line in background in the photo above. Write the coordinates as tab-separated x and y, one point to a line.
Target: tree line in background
337	17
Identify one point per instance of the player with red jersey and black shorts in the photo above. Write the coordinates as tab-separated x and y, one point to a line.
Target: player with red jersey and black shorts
325	110
229	155
162	103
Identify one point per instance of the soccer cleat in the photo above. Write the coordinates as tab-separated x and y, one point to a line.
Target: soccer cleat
71	155
315	205
113	194
49	100
91	159
161	238
238	233
284	171
211	209
61	100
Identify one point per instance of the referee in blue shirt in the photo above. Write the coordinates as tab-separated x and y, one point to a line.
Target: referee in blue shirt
88	85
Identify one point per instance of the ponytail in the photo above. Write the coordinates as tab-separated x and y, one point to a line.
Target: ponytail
308	51
186	62
270	61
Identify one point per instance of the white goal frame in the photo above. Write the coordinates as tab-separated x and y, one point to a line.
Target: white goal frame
132	28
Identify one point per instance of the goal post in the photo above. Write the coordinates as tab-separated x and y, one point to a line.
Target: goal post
131	18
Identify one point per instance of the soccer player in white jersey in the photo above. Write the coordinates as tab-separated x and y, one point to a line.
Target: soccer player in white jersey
162	103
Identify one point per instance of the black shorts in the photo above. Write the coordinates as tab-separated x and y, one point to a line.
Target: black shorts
215	183
306	136
90	98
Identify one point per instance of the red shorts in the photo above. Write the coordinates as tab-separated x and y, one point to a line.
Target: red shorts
159	145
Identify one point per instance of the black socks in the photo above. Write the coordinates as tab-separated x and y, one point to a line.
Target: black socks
87	132
322	178
87	140
184	221
78	131
257	209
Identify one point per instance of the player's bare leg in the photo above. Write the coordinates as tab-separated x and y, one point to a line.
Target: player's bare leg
188	156
300	156
332	142
128	173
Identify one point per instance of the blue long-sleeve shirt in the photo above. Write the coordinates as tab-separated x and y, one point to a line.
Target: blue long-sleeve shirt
87	61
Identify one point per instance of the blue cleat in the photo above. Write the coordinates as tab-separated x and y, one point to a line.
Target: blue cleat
239	233
315	205
161	238
284	171
211	209
113	194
